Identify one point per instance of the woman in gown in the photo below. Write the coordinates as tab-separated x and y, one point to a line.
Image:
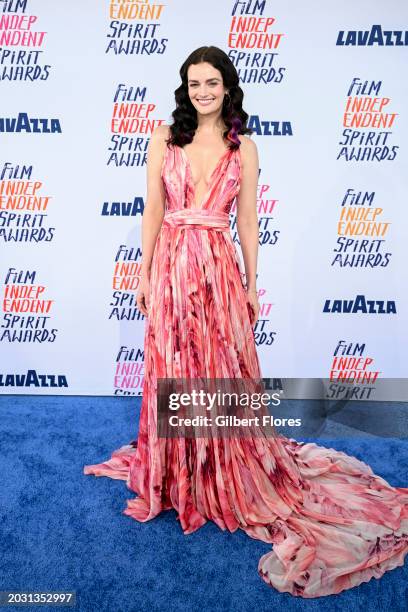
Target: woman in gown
332	522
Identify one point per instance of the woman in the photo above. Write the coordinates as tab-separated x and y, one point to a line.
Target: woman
332	522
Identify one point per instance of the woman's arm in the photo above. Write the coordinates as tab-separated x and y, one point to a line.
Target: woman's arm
154	208
247	215
153	211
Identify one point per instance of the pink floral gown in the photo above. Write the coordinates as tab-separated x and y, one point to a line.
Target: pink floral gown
332	522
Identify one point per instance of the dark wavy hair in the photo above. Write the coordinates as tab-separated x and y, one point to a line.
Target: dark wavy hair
184	124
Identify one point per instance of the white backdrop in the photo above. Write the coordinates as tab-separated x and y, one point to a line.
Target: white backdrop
296	89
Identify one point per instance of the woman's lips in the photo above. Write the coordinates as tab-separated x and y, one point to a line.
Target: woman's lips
205	102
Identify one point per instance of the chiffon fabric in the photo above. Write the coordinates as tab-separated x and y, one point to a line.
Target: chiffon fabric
331	521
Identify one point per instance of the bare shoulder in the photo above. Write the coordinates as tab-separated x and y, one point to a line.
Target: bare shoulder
161	133
157	144
249	150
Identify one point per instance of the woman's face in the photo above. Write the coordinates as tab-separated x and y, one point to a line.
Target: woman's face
205	88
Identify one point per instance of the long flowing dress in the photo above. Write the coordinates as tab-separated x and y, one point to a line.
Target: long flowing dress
332	522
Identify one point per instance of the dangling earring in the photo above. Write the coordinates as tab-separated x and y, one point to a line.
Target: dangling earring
227	100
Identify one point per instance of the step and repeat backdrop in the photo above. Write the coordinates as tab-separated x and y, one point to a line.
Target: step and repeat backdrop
83	83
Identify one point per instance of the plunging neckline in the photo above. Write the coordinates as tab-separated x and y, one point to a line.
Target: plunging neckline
188	165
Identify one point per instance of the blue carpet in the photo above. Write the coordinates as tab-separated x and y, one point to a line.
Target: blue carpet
62	530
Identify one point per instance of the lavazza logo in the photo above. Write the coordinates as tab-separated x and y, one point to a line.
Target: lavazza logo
375	36
24	123
33	379
360	304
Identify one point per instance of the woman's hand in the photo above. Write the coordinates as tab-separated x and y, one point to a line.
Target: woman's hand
142	298
253	305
